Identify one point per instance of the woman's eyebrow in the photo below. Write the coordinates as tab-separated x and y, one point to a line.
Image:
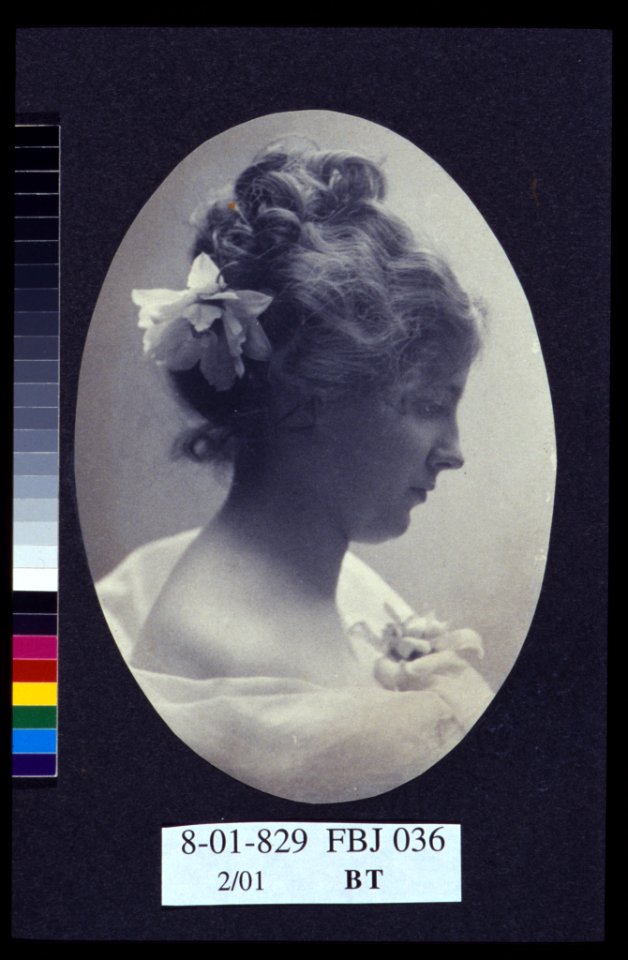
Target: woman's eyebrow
434	391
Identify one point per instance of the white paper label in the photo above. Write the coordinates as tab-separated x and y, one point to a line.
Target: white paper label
221	863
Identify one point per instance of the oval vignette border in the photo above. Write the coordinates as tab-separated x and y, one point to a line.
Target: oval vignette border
506	418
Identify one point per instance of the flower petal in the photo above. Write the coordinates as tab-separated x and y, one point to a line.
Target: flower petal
155	297
202	315
461	640
234	331
216	362
418	673
154	334
257	345
415	626
251	303
165	306
184	354
218	295
410	647
203	273
173	344
434	627
387	672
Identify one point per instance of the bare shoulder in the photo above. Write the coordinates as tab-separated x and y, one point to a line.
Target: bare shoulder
210	620
225	612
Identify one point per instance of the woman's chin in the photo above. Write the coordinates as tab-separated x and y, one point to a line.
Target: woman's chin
385	529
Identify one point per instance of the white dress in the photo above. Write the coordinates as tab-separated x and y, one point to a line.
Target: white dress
296	739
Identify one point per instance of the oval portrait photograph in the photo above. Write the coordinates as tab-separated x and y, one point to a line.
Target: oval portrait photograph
315	457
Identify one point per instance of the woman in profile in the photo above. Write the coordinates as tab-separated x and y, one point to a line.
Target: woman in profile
323	356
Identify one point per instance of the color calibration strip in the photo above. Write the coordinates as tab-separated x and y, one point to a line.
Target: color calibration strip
35	450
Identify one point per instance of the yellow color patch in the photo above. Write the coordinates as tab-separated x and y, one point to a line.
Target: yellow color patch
34	694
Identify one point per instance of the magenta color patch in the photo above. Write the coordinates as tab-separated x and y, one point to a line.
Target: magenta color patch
34	648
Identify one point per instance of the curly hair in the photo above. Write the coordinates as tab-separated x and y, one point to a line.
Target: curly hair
356	305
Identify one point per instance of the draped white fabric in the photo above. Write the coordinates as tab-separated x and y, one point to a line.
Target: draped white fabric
293	738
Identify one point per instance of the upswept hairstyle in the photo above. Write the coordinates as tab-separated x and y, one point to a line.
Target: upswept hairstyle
356	306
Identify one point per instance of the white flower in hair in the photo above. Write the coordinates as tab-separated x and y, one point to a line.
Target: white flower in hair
179	325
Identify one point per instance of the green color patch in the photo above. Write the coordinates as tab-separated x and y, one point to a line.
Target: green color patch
33	717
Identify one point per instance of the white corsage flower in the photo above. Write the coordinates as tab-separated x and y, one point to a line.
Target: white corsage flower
179	325
412	649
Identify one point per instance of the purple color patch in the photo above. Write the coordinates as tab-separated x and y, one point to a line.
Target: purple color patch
34	765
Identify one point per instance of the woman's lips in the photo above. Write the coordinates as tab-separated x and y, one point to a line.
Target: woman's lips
420	493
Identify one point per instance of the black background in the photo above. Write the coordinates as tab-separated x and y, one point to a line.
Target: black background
520	118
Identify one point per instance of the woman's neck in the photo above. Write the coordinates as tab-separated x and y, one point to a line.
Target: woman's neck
279	516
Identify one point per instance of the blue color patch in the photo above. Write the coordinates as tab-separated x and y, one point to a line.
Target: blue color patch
34	741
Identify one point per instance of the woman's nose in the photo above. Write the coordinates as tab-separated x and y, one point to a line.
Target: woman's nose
447	454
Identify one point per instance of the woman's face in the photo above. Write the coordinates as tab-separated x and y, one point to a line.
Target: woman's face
377	459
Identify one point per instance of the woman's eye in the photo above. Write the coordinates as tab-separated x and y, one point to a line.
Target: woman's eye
428	408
